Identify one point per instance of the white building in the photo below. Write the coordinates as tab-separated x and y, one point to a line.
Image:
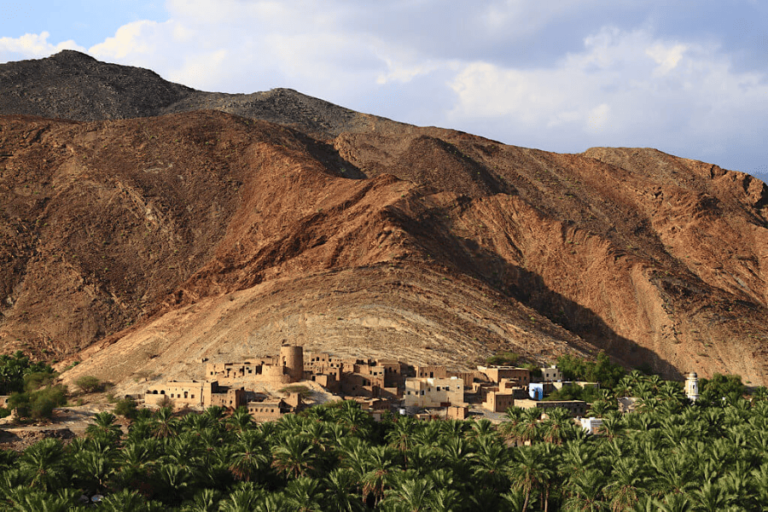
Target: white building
692	386
592	424
421	392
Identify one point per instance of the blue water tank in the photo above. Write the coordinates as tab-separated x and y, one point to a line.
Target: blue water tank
536	390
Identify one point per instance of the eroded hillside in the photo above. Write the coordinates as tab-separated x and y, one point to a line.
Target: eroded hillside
146	244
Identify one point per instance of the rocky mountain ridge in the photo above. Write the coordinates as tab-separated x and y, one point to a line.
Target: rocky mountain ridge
157	234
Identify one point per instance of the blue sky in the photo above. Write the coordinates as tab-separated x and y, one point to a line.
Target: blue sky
687	77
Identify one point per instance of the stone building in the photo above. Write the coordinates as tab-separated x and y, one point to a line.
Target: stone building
551	374
496	401
189	393
433	392
520	376
430	372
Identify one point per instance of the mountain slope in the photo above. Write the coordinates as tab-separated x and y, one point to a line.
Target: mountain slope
147	244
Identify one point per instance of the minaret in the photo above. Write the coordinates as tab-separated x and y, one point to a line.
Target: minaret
692	386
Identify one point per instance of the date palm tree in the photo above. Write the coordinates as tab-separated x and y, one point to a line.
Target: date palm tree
626	484
246	497
342	491
103	425
490	464
585	492
206	500
240	420
294	457
411	495
249	455
44	465
93	468
529	471
380	466
164	424
305	495
401	436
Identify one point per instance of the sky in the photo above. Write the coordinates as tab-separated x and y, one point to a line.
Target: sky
688	77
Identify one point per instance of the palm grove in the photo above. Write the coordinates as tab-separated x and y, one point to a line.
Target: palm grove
669	455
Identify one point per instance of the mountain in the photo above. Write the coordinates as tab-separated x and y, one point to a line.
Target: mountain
144	234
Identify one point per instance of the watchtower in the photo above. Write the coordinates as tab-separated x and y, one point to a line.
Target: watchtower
292	361
692	386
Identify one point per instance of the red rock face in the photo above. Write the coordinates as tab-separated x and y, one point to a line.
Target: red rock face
426	244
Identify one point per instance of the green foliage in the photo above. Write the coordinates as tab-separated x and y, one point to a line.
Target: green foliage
303	391
601	370
574	392
40	403
126	407
534	369
672	455
89	384
13	369
37	380
505	358
722	387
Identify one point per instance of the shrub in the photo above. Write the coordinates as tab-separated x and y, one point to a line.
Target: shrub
602	370
303	391
166	402
13	369
37	380
89	384
40	403
127	408
505	358
534	369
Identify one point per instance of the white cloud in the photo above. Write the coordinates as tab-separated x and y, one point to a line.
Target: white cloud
140	38
32	46
622	88
501	68
666	57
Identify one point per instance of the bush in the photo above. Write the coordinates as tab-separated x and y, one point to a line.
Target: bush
40	403
505	358
37	380
303	391
602	370
720	387
14	368
574	392
89	384
127	408
166	402
534	369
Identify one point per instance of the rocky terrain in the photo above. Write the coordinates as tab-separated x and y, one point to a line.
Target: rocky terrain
142	234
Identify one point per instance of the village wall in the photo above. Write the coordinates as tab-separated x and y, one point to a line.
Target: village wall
181	392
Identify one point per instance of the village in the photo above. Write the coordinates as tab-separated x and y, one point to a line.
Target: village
428	391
